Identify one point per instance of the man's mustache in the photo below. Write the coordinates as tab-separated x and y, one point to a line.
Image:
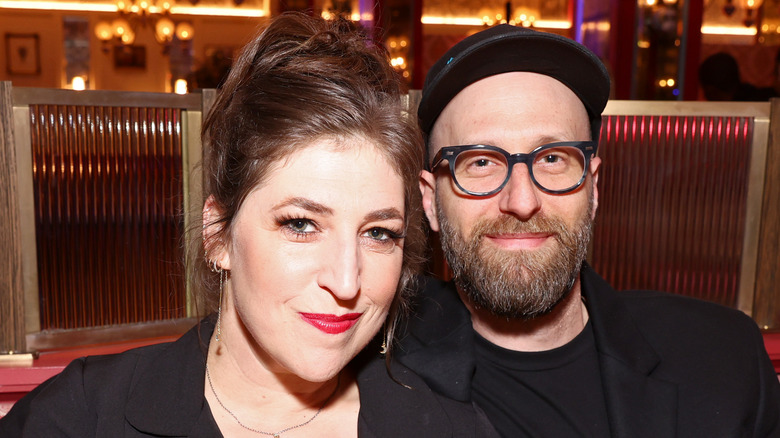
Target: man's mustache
507	224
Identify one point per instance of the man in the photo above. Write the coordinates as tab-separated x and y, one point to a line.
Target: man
528	331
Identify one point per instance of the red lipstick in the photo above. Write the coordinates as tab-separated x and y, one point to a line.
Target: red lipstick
331	324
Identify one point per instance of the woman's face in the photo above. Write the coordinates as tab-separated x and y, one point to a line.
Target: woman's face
315	256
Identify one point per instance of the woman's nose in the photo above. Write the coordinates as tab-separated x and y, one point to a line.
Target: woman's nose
340	273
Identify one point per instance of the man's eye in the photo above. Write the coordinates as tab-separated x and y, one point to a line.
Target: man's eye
482	161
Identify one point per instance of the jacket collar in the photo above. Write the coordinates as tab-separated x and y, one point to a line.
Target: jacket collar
167	394
440	349
376	419
439	341
166	398
638	404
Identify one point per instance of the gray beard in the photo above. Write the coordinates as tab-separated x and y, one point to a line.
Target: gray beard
516	284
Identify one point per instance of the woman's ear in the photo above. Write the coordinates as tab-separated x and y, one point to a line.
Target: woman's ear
213	239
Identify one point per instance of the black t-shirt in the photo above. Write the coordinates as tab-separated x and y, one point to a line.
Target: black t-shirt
555	393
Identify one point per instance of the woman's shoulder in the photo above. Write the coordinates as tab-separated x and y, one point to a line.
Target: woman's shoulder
397	402
61	405
92	387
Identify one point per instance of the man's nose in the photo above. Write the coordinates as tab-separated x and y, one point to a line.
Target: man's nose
520	196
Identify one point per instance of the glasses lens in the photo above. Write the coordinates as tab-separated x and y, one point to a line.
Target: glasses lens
480	171
559	168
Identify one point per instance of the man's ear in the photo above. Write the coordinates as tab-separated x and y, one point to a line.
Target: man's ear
213	240
595	165
428	190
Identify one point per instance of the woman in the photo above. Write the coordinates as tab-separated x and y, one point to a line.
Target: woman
311	219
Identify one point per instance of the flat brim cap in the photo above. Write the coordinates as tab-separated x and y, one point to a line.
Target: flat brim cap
506	48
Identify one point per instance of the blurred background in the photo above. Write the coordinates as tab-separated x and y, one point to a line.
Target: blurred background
653	48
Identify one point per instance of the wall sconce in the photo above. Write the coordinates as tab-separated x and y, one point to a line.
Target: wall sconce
749	6
78	83
180	86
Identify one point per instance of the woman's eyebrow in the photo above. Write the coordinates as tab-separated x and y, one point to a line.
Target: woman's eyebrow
316	207
384	214
304	203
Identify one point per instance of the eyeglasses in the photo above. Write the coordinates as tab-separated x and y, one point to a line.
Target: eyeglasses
482	170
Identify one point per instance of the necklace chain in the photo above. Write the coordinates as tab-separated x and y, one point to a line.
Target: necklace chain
273	434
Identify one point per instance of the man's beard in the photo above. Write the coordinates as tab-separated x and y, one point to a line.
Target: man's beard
516	284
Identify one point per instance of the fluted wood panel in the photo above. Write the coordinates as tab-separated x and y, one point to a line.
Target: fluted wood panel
767	299
108	196
672	197
11	292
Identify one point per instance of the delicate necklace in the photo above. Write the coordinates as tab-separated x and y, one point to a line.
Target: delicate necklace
273	434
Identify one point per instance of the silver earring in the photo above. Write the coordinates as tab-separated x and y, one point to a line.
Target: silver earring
222	275
383	350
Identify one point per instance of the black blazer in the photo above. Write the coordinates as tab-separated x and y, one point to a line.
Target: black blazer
670	365
158	391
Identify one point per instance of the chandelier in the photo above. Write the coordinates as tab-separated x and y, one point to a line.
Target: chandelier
524	16
138	14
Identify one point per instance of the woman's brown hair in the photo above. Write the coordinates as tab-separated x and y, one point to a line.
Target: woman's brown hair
302	79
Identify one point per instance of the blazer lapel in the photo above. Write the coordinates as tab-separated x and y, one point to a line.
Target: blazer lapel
440	343
638	405
167	399
405	410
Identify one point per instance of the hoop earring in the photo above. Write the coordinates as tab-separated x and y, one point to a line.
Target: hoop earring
213	266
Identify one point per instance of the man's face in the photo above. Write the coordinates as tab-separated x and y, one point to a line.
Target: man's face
518	252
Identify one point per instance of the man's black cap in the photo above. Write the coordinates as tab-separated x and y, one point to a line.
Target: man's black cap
506	48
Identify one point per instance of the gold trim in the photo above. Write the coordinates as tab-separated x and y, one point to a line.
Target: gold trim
12	358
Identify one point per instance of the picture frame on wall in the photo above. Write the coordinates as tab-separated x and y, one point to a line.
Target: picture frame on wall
129	57
22	51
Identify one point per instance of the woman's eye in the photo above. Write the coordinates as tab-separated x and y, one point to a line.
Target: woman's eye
382	239
379	234
301	226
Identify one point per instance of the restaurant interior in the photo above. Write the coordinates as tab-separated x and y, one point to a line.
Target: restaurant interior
652	47
92	215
